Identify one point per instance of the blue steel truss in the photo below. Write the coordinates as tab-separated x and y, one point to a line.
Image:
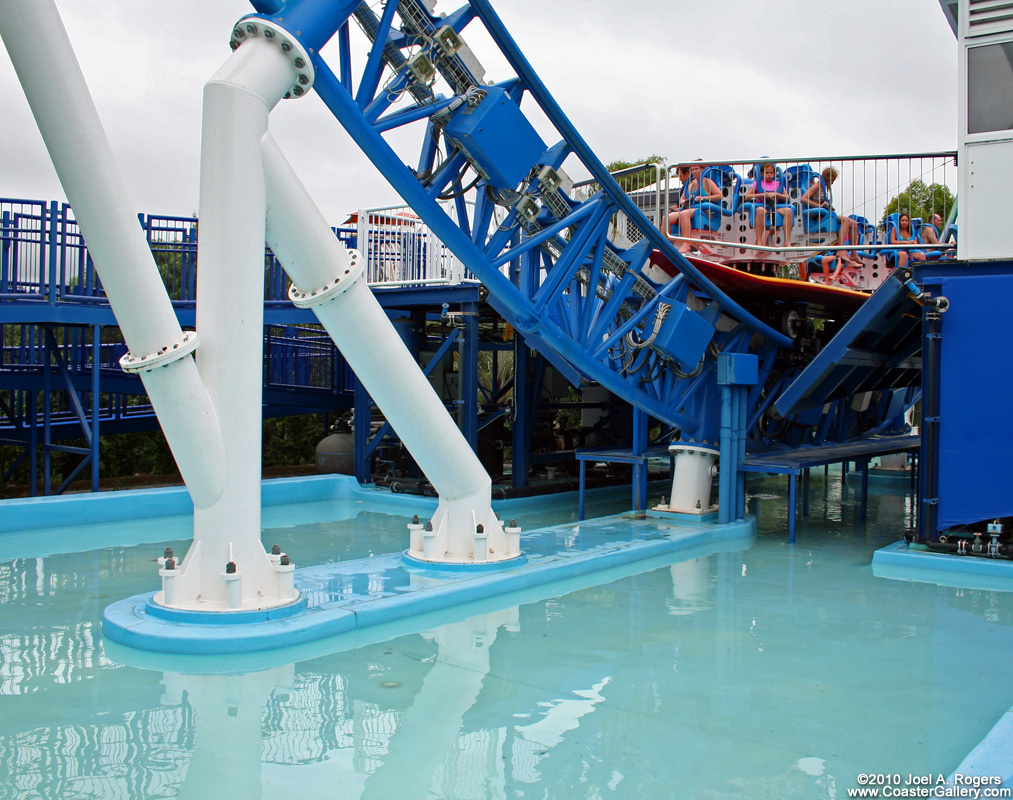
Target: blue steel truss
548	259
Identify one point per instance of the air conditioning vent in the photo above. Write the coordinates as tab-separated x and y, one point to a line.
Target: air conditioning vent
989	16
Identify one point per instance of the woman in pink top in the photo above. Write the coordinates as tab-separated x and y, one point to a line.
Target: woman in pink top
770	191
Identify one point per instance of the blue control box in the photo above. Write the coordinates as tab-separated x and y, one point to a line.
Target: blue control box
684	335
497	138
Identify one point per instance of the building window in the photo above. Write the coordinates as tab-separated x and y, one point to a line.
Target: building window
990	88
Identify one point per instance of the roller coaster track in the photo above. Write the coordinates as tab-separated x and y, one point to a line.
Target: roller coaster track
548	263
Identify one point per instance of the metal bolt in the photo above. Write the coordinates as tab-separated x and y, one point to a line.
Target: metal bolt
284	560
513	523
286	46
298	91
480	528
168	553
303	80
268	33
170	563
429	525
275	549
299	63
415	519
230	568
238	34
251	28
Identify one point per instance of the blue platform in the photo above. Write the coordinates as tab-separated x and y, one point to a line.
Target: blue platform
902	561
349	596
799	461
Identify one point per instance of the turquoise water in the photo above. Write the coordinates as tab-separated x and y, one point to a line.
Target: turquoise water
778	672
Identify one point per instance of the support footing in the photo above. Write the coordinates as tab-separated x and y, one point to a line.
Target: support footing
348	596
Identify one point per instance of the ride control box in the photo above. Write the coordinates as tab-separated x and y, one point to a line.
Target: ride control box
684	335
498	139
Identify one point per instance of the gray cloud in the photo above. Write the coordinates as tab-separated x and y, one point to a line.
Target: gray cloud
681	78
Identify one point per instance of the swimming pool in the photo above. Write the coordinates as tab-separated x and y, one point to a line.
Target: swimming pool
779	671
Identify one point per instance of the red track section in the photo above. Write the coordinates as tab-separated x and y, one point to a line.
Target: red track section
746	288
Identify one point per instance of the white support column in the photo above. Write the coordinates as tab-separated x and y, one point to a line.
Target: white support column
692	479
57	92
230	319
328	278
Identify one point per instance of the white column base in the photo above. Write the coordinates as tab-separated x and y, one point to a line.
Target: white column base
453	535
692	479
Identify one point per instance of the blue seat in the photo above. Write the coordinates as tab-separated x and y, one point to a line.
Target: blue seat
750	206
707	216
889	223
866	236
814	264
930	255
814	220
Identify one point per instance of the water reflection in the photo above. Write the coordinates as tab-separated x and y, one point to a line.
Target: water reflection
225	715
768	673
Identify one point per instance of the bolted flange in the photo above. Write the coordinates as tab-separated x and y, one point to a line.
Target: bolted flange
253	26
341	283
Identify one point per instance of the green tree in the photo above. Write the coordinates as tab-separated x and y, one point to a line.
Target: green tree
921	200
634	179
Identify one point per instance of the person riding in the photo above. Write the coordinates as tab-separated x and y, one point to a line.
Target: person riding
772	193
696	190
902	233
930	232
820	195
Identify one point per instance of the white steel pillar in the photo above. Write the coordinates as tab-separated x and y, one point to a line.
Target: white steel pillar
227	567
160	352
328	278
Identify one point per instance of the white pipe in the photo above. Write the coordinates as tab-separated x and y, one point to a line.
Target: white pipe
57	92
319	264
302	240
230	319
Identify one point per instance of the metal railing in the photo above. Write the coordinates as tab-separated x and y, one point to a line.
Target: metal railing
43	256
861	194
401	250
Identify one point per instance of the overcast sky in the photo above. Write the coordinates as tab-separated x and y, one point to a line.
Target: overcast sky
679	78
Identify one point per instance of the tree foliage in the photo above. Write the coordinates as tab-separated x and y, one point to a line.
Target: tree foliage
132	459
636	179
921	200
